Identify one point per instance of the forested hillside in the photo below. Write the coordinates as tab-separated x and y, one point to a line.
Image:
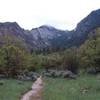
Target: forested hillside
49	48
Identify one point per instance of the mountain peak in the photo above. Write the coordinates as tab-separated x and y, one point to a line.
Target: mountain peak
96	11
48	36
9	23
47	26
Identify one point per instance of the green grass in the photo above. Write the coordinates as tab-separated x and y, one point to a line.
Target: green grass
12	90
64	89
55	89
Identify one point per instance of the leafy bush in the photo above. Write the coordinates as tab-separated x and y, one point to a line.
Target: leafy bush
13	60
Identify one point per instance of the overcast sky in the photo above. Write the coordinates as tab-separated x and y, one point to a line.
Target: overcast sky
63	14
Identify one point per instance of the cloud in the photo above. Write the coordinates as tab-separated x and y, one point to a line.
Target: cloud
64	14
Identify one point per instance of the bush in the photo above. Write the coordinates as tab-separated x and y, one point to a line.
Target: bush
13	60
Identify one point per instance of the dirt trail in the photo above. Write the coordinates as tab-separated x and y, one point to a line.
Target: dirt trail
36	92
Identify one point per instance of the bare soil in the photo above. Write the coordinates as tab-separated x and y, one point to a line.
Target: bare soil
36	92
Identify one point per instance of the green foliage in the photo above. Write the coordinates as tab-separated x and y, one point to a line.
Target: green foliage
13	60
84	88
89	52
13	89
85	57
14	56
9	39
70	59
59	60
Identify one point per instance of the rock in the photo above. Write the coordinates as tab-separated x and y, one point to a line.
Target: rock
19	77
61	74
92	71
69	74
33	75
53	73
47	74
2	76
58	74
30	76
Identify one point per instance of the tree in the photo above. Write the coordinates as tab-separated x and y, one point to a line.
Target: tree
89	52
14	60
70	60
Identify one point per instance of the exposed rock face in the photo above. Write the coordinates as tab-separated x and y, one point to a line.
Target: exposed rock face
13	30
89	23
50	37
85	26
47	36
38	38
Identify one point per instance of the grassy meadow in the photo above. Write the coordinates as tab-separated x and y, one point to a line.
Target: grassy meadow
13	89
83	88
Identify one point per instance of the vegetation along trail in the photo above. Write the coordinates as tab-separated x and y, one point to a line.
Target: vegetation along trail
36	92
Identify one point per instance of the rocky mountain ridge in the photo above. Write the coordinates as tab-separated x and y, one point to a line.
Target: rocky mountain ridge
50	37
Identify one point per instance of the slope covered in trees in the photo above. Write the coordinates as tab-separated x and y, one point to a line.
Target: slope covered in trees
14	59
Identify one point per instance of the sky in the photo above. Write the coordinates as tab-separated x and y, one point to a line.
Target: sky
62	14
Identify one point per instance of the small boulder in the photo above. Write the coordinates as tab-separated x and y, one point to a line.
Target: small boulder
47	74
2	76
58	74
91	71
69	74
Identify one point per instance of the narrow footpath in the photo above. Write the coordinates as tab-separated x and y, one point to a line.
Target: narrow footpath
36	92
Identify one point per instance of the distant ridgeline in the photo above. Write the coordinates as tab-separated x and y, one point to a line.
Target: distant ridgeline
46	38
